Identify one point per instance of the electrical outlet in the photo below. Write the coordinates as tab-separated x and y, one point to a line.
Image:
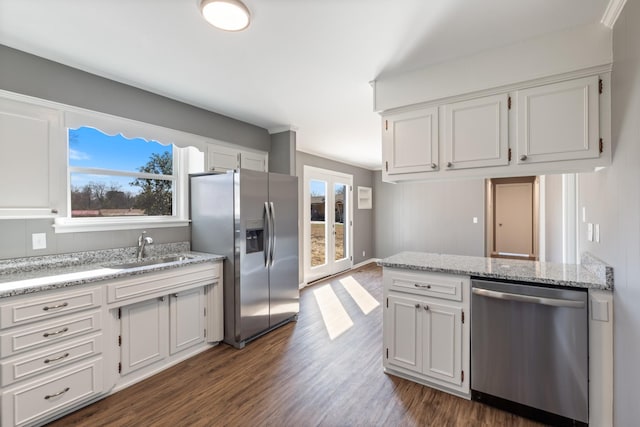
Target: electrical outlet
584	214
364	253
597	233
475	219
39	241
590	232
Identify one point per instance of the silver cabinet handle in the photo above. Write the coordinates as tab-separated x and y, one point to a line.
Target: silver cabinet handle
61	331
422	286
54	307
523	157
55	359
433	166
449	164
554	302
50	396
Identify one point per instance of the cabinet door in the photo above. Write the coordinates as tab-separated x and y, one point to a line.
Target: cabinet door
403	330
558	121
442	345
144	334
411	141
253	161
27	135
186	314
476	133
222	159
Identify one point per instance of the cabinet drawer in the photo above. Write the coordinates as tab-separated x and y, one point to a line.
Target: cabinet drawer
444	286
150	285
47	395
52	304
50	358
49	332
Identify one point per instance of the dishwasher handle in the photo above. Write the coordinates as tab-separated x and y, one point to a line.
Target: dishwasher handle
554	302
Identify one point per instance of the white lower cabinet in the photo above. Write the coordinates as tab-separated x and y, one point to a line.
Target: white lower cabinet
30	402
187	316
426	338
51	354
65	348
144	333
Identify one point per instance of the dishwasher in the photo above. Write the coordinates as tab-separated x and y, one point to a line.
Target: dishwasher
529	350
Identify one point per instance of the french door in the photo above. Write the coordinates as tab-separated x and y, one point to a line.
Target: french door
327	222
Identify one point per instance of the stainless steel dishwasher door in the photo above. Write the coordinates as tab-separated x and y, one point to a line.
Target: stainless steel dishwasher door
529	345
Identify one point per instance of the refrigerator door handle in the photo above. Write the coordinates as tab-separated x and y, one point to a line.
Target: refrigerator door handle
267	226
272	233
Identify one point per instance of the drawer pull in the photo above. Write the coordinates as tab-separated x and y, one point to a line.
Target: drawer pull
55	359
54	307
61	331
51	396
422	286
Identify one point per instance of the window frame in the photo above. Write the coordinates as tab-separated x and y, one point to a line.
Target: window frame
183	161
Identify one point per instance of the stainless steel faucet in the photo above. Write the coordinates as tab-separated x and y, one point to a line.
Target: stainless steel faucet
143	240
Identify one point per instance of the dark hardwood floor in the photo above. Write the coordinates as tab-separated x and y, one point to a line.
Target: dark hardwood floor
294	376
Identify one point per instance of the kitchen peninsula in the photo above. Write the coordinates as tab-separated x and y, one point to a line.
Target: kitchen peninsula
443	316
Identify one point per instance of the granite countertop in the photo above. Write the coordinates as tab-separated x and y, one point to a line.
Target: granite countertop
34	274
591	273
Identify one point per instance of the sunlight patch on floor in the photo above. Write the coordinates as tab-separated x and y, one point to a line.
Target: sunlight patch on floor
335	317
364	299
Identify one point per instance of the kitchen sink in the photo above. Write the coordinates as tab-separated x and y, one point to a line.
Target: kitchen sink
150	261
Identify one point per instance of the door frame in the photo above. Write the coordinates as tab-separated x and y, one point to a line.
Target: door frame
313	173
490	219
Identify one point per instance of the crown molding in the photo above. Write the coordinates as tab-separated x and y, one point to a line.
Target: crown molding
612	12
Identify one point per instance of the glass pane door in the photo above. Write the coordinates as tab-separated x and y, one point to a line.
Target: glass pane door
327	222
339	229
318	206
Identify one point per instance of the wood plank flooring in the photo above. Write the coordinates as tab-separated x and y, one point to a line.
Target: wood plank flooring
294	376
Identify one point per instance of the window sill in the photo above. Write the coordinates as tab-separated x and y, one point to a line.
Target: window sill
77	225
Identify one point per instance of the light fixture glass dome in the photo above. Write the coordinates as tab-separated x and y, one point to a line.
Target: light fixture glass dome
228	15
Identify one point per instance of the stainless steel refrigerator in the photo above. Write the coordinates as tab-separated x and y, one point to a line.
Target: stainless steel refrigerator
251	218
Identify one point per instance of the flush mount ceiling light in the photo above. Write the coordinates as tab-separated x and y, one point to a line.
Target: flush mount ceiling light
228	15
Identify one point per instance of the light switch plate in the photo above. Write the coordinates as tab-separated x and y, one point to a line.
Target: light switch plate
597	233
39	241
590	232
475	219
599	310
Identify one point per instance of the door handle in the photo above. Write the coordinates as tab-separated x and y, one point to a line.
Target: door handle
272	233
553	302
267	225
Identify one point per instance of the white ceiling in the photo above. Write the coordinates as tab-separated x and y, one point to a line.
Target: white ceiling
304	64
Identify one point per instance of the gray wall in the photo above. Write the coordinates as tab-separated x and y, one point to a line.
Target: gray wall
41	78
282	158
612	199
430	216
553	218
362	218
31	75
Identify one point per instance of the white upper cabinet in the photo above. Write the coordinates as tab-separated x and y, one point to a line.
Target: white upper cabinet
476	133
558	121
253	161
27	137
221	158
410	141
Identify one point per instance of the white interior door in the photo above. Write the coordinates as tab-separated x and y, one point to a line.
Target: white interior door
327	222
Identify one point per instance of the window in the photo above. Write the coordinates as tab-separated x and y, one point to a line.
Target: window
113	176
123	174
